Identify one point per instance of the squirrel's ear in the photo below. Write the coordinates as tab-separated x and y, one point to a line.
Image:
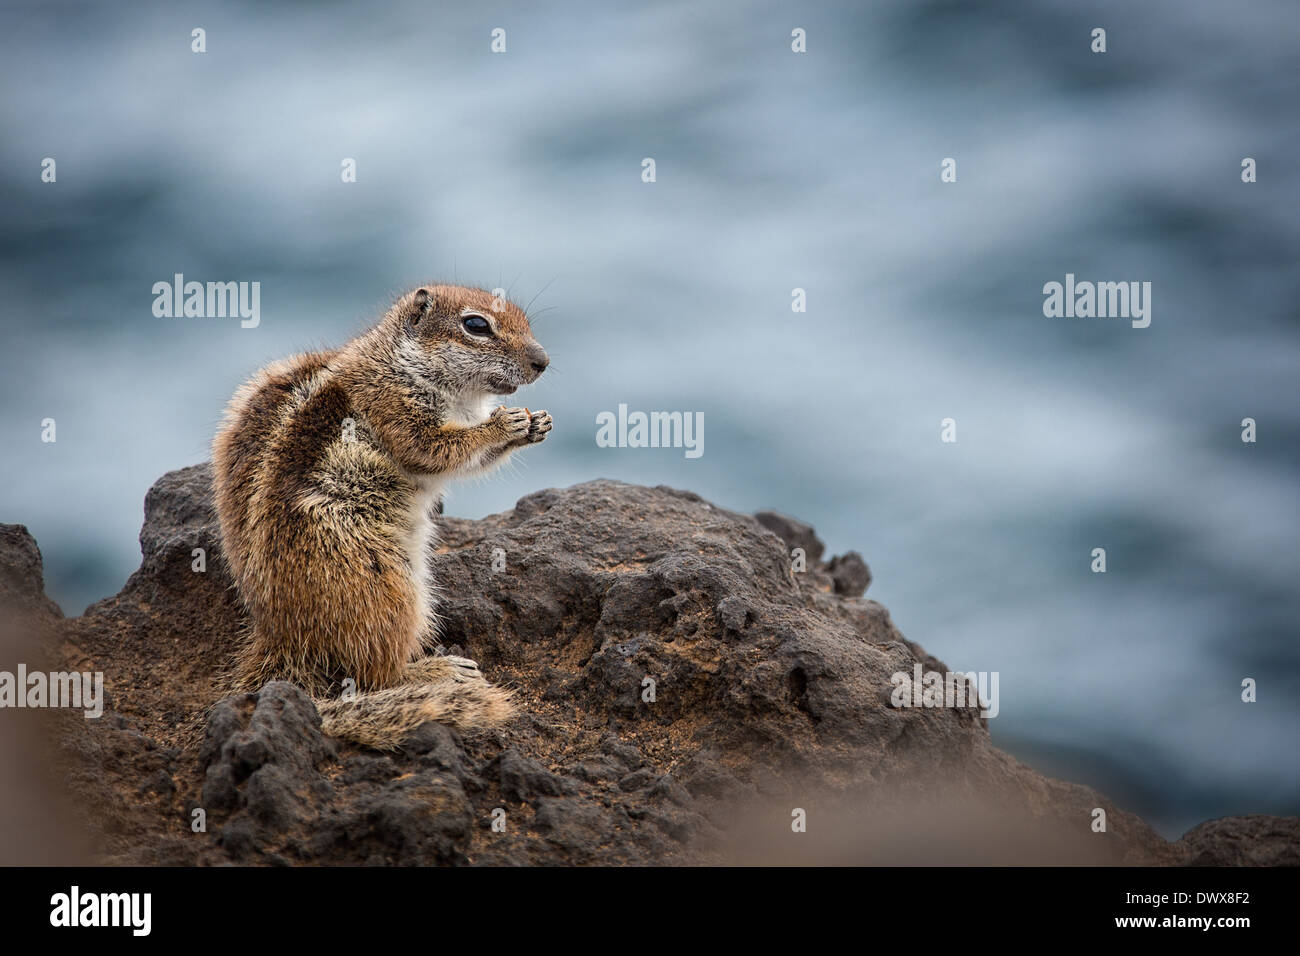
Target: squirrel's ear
420	303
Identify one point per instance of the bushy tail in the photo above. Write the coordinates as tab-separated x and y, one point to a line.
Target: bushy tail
384	718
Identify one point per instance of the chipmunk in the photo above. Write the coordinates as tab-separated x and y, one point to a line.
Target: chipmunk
329	466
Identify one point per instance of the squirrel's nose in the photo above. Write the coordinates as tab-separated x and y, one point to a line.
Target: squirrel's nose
538	358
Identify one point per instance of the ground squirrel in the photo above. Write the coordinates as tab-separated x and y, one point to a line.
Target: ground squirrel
329	466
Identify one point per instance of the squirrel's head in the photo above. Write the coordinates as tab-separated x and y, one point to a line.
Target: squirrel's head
468	340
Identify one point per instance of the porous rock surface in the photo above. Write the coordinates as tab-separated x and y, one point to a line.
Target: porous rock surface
686	696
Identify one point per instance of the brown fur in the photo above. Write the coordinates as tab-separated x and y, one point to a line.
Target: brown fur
328	466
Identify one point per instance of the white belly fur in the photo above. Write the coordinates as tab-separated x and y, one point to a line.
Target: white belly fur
471	409
423	536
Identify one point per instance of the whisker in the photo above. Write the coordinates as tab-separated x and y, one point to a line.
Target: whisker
539	292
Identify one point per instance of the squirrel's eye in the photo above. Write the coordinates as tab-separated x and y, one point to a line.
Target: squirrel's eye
477	325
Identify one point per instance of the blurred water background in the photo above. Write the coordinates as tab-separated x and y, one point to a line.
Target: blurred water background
774	171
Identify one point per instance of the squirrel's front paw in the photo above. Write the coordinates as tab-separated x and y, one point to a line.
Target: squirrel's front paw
514	423
538	426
